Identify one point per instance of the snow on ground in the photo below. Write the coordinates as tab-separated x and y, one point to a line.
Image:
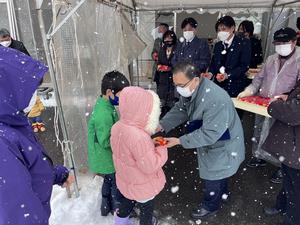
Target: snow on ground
78	211
85	210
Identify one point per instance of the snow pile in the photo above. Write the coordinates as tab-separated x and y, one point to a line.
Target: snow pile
77	211
85	210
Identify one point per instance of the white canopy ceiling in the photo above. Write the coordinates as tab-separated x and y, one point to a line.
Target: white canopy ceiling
178	4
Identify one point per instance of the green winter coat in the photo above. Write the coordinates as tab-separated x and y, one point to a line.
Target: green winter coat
104	116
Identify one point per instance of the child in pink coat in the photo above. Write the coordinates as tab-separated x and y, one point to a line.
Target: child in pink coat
138	162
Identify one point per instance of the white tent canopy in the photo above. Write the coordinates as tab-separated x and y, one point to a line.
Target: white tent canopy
178	4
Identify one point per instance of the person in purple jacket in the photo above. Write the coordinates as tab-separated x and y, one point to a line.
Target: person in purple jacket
27	173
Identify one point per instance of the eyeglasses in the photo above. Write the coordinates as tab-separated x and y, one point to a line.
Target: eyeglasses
183	85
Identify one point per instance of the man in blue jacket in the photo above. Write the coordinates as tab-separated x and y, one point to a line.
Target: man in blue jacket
192	49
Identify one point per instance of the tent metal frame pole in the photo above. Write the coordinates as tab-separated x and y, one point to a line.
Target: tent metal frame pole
266	47
57	97
175	21
116	3
135	16
287	3
71	13
199	7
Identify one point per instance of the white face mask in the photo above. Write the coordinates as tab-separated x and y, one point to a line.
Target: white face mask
284	50
31	103
185	92
5	43
223	35
188	35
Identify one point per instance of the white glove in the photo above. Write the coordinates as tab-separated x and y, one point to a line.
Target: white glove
247	92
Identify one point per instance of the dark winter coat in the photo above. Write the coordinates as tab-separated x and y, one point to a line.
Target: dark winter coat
165	89
196	52
283	141
18	45
236	64
26	172
256	52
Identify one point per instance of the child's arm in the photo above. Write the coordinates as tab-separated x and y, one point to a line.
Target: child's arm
149	158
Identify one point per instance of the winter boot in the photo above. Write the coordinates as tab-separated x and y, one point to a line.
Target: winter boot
105	206
41	127
35	127
123	221
154	220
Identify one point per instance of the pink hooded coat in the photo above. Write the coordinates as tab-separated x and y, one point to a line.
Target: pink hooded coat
137	161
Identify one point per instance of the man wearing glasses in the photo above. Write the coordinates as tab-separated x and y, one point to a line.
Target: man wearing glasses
213	127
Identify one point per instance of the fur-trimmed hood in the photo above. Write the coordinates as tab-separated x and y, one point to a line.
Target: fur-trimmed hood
140	108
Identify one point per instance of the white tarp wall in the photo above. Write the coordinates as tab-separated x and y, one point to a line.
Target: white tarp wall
95	40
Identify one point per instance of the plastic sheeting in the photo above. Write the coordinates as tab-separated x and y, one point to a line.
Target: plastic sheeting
95	40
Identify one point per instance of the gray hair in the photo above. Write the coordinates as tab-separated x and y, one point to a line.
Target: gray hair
4	32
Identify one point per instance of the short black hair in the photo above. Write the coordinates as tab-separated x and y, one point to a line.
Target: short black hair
171	34
298	23
227	21
115	81
4	33
247	26
164	25
191	21
189	69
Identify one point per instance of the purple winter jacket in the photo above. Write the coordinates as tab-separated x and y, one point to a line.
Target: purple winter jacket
26	172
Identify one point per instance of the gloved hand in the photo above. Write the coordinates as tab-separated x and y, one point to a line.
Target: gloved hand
247	92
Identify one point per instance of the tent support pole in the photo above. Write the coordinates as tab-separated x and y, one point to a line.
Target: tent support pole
287	3
135	27
266	47
58	100
175	21
71	13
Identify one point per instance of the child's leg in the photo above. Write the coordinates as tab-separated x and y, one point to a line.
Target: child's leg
40	123
33	120
125	208
116	196
146	217
106	193
38	119
34	124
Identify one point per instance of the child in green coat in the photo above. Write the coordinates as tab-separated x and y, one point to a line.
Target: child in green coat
103	117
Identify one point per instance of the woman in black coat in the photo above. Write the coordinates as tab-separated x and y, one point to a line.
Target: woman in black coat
165	89
283	143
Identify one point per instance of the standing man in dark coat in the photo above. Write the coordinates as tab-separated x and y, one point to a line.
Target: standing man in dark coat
231	58
162	29
192	49
283	143
246	30
7	41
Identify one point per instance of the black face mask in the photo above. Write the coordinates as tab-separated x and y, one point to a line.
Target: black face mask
168	43
241	34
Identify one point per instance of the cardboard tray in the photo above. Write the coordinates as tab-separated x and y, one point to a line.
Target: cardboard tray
250	107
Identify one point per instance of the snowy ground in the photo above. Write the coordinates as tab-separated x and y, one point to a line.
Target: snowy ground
85	210
250	188
78	211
